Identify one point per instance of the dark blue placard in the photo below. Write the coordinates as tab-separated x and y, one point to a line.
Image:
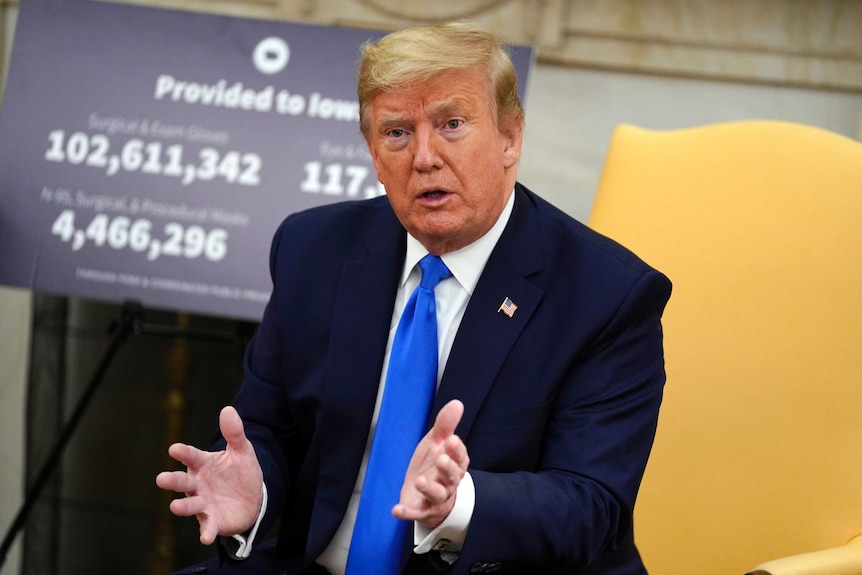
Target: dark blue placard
150	154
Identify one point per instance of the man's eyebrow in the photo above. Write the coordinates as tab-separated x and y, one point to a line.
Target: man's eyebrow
390	121
445	108
449	107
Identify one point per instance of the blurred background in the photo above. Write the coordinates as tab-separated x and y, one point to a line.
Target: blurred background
659	64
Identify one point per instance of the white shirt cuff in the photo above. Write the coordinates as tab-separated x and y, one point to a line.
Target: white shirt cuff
449	536
245	542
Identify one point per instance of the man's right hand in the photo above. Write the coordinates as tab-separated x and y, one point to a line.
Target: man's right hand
224	489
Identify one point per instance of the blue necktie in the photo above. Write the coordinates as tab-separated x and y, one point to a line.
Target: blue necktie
411	382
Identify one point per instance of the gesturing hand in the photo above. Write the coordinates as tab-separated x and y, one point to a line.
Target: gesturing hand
224	489
438	464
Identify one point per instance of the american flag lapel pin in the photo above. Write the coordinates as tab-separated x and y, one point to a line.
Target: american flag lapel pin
508	307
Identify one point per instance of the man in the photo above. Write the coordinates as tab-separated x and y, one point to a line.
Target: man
550	351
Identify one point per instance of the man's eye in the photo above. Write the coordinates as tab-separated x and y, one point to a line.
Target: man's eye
453	124
396	133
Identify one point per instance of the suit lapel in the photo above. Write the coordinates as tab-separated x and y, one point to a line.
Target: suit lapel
486	334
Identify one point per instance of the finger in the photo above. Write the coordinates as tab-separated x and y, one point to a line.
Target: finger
422	513
406	513
232	428
433	492
447	419
187	506
449	473
178	481
208	530
191	457
418	510
401	511
456	449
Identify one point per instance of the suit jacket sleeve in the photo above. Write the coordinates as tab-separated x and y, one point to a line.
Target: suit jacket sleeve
575	505
560	440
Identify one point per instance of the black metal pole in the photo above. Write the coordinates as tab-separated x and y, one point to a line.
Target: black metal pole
130	314
128	323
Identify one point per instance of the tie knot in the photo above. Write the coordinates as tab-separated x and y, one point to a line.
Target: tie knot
433	270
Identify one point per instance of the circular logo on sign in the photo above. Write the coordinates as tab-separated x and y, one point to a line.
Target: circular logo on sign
271	55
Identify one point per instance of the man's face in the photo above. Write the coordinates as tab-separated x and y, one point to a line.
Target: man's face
447	168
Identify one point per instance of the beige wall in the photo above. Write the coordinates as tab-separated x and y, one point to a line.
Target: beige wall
14	352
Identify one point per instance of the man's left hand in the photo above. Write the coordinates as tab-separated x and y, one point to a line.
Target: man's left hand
436	468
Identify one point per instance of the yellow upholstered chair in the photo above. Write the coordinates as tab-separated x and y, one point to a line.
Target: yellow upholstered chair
758	454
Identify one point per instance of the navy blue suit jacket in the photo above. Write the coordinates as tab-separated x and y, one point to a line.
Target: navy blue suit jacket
561	399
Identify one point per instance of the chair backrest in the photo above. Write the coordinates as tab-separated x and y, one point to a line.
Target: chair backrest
759	447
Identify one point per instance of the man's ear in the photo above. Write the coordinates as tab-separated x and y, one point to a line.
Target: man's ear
513	137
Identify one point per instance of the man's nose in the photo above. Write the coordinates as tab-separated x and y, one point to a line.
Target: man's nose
426	154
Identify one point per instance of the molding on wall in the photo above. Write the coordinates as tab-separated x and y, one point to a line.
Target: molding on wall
813	43
807	43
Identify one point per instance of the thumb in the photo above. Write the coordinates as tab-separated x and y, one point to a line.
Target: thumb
447	419
230	425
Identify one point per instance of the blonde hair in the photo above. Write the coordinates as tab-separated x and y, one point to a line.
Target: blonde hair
419	54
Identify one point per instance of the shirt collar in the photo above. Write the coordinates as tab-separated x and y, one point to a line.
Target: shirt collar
467	263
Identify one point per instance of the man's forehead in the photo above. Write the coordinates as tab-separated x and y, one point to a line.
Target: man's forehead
402	105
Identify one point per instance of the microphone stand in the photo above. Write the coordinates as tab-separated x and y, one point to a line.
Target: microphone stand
128	323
